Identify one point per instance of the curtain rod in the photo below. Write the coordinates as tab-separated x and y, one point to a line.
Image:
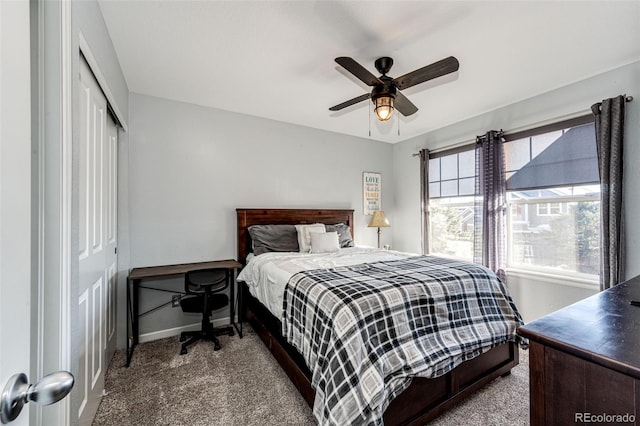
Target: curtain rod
522	128
448	147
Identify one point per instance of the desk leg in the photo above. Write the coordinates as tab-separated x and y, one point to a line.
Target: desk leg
133	291
230	282
234	299
136	312
240	308
129	316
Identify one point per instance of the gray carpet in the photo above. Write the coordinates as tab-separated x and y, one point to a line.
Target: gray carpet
243	385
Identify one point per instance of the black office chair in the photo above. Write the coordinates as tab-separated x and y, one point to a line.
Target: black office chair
203	288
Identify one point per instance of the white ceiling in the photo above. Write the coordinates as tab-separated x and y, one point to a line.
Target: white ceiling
275	59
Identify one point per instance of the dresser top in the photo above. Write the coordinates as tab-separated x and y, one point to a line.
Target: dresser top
603	328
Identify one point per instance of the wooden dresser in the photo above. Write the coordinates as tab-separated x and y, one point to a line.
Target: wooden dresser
584	360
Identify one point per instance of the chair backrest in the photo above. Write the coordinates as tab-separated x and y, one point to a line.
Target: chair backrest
195	281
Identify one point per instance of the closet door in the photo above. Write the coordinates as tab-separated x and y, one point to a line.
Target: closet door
111	233
97	241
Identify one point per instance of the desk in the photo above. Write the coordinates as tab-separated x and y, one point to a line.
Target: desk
583	359
137	275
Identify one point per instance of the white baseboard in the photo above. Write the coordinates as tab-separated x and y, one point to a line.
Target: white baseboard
161	334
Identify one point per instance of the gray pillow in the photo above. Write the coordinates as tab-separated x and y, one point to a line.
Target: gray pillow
344	234
267	238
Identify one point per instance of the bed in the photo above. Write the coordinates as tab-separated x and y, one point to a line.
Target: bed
419	403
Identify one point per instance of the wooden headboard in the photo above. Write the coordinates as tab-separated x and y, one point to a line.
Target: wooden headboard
248	217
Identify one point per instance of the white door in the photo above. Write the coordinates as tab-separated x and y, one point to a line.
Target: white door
97	240
15	194
111	233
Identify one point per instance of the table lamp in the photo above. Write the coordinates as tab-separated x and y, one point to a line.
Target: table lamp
378	220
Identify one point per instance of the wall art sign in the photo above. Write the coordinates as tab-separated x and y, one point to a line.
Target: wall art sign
371	192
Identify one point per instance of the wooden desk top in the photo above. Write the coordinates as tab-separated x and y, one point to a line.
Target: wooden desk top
604	329
180	269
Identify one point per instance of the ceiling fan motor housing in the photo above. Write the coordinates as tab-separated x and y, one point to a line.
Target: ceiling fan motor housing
387	88
384	64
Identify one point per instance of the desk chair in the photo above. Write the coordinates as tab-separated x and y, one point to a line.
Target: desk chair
202	288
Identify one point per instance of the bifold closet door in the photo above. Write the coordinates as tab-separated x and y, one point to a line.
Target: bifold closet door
97	212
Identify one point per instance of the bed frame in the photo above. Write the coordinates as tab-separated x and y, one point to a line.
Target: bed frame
424	399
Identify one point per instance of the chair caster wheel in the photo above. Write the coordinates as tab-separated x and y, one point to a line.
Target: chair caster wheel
183	351
216	346
183	338
231	333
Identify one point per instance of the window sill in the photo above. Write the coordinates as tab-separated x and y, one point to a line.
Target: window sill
577	280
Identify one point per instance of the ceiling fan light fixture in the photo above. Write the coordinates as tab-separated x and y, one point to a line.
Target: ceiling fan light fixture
383	107
386	89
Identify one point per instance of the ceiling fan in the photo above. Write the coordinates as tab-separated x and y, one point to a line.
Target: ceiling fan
386	94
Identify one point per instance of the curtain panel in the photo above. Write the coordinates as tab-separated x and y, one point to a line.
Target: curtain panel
424	198
609	119
491	204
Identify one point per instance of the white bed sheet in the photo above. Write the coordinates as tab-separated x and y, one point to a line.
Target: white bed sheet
267	274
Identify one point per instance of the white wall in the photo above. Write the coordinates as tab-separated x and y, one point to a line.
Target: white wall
187	168
190	167
537	295
553	105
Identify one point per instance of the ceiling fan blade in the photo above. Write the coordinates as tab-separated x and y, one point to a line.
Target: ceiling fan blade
437	69
358	70
404	105
350	102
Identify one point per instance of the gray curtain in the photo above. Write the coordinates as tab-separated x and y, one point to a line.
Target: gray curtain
491	204
609	119
424	198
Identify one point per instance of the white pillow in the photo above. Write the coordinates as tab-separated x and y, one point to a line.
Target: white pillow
327	242
304	240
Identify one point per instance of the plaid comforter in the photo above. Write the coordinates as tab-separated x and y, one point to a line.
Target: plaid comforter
365	330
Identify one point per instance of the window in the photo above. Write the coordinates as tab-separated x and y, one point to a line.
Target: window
553	200
549	209
553	194
452	175
451	204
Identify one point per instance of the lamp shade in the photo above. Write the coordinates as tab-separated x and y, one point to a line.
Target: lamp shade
378	220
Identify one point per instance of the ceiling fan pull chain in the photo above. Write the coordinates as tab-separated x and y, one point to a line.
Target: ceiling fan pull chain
369	120
398	117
